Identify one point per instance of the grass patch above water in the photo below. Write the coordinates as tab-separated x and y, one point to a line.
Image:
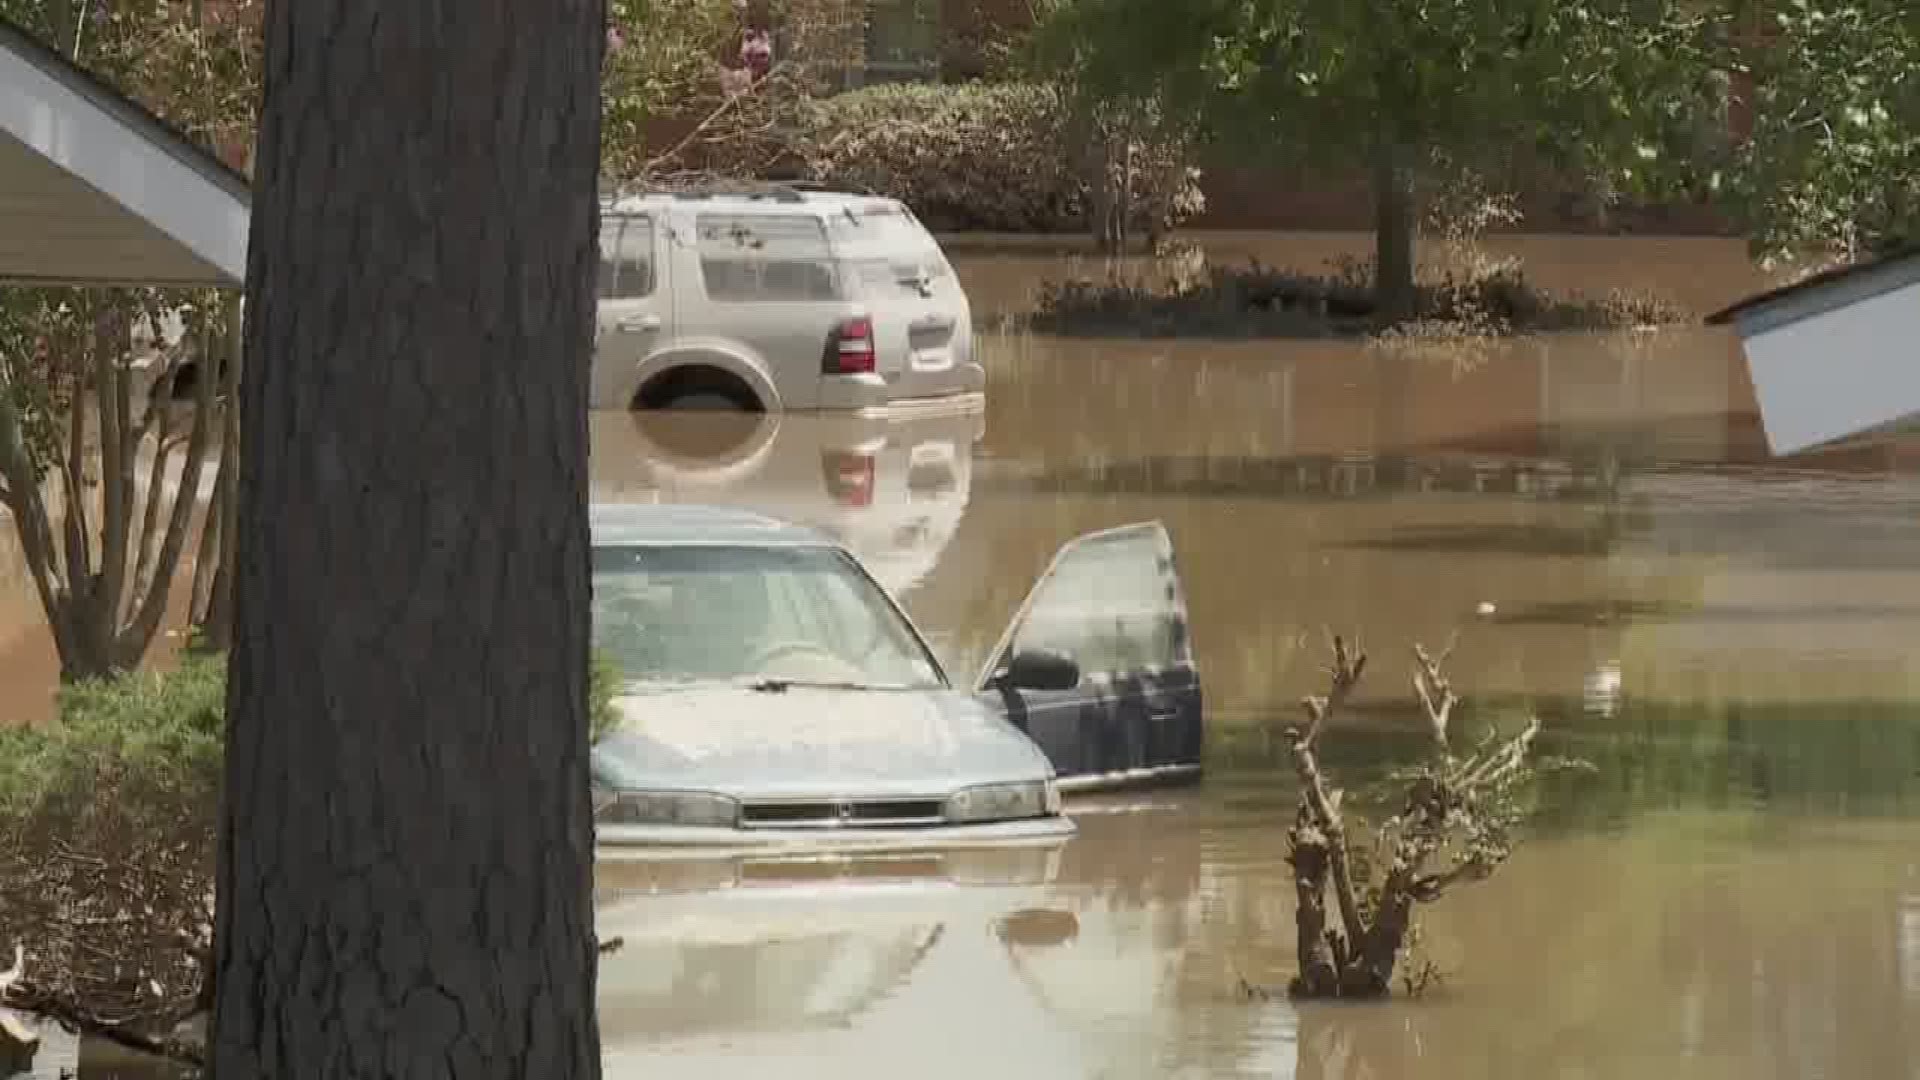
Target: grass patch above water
1256	300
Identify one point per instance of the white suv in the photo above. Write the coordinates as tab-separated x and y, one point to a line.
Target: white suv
778	299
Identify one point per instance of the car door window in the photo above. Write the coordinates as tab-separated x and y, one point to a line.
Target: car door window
626	256
1112	602
765	257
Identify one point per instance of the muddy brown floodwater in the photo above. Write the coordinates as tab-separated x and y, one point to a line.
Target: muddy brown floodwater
1728	638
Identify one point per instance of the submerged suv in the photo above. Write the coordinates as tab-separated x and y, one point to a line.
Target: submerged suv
778	299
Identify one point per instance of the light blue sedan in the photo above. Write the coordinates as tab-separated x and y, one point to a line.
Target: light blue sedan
773	694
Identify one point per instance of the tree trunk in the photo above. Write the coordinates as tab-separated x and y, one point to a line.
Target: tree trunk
1393	235
406	847
213	569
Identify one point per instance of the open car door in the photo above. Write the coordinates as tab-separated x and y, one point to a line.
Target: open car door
1126	710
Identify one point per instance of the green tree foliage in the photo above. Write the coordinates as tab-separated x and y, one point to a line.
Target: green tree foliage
1595	88
662	56
1834	158
949	152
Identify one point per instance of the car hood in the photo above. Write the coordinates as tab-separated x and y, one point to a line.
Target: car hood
813	743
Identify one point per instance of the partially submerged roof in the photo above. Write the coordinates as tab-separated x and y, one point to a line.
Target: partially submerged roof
672	523
96	190
1823	292
1832	357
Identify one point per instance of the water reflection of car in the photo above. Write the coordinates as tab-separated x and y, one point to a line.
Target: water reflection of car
893	491
782	946
773	693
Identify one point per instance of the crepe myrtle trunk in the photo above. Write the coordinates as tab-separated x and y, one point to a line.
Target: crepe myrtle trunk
406	844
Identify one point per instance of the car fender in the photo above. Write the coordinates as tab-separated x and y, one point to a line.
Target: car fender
711	354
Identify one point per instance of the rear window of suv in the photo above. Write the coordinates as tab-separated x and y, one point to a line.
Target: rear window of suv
766	257
886	243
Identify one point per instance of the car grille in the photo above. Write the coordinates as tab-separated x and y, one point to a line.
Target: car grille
843	814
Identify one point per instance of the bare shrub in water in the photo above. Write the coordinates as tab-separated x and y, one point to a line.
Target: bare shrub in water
1453	823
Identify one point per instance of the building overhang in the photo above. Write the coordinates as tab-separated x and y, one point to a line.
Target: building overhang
97	191
1834	356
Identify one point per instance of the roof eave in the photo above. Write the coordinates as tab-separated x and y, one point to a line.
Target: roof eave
1823	292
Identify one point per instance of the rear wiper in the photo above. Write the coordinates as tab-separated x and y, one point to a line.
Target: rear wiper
781	686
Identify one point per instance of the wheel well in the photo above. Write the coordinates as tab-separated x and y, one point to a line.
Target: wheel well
661	391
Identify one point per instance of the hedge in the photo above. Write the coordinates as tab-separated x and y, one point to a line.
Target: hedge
990	157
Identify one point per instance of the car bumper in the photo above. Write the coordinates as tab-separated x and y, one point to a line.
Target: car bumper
648	872
667	841
871	395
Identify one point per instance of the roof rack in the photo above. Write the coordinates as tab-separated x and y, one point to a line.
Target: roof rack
707	188
703	187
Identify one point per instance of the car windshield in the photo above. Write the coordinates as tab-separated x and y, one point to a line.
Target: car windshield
768	615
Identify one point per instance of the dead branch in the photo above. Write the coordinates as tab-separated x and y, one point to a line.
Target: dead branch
727	104
166	1047
1433	689
1448	806
1319	836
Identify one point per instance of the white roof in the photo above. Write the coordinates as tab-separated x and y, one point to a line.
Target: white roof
774	197
95	190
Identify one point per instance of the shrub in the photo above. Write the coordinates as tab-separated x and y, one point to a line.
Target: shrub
994	157
108	820
1259	301
603	683
107	826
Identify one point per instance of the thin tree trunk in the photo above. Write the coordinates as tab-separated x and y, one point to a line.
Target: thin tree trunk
213	569
1393	235
406	849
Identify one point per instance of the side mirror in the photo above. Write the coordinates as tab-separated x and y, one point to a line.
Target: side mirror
1038	669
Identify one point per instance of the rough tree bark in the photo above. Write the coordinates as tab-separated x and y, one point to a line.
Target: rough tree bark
406	846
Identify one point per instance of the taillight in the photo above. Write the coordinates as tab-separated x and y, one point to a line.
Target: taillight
849	348
849	476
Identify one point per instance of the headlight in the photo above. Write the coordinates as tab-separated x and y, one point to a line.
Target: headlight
671	808
1003	802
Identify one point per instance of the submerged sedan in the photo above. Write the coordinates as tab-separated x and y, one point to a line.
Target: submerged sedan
773	693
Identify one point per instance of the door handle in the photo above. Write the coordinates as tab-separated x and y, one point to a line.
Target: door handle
638	324
1162	716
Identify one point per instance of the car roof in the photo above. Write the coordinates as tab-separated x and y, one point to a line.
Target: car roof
804	201
680	523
